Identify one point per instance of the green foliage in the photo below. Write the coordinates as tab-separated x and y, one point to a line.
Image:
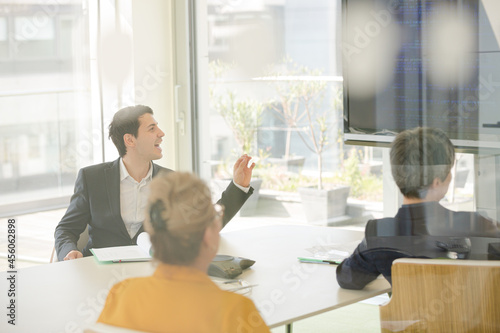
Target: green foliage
298	102
352	174
217	68
277	180
300	93
243	117
261	160
364	186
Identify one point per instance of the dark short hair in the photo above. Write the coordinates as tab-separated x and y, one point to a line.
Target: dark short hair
126	121
179	211
418	156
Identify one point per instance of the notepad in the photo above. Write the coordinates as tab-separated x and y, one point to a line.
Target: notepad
332	252
129	253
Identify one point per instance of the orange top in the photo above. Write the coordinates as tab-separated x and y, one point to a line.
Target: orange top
179	299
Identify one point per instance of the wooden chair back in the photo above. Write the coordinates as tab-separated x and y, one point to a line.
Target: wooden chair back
441	295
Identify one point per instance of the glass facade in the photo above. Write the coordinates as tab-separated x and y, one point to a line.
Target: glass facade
269	82
46	128
275	92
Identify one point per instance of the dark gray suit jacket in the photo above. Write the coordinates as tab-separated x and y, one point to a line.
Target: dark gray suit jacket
430	218
96	203
383	242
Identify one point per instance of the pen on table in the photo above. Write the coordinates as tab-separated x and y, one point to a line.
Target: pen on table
319	261
244	287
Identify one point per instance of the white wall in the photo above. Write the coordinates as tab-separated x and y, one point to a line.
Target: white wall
152	23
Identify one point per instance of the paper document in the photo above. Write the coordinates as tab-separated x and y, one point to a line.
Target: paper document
332	252
140	252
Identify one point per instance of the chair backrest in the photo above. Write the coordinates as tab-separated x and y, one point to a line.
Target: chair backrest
441	295
82	241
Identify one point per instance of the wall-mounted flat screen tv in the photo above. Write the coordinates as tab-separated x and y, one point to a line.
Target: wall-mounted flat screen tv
409	63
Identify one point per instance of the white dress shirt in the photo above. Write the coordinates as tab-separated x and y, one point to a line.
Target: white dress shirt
133	199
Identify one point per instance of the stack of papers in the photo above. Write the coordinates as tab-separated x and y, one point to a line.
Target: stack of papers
130	253
332	252
237	286
328	254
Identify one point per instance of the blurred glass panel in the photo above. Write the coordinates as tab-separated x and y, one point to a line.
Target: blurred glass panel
3	29
38	41
46	131
274	89
4	51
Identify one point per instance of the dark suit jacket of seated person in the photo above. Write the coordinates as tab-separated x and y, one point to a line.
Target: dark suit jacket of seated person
180	297
110	197
421	161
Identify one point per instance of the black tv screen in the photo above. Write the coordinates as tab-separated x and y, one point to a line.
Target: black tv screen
422	63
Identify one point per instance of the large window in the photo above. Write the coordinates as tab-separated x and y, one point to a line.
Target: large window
45	118
53	108
270	85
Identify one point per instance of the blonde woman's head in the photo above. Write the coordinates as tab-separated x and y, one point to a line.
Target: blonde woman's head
179	211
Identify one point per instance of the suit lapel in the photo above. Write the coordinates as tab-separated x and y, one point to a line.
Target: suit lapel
156	169
112	175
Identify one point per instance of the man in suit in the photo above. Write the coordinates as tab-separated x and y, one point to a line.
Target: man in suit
110	197
421	161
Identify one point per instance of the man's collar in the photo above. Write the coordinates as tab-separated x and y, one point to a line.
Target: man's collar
124	172
149	176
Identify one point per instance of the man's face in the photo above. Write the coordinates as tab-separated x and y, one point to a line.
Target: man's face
149	138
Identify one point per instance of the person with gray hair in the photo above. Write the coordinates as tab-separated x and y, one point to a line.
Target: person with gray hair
421	159
421	162
184	226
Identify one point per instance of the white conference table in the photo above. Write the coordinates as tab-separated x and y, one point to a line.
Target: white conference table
68	296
